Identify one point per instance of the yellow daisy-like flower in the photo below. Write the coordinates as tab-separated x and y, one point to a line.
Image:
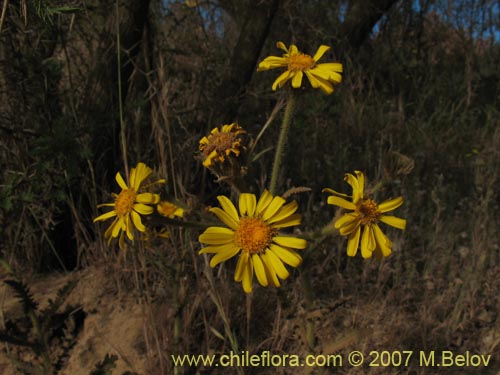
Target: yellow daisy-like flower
169	210
367	214
297	64
221	143
129	205
254	235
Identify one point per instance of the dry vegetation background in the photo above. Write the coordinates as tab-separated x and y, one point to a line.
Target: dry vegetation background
421	80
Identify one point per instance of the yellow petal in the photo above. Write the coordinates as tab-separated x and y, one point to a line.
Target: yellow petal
297	78
273	207
260	271
282	46
143	209
293	242
272	62
367	242
332	67
281	80
318	82
136	219
350	226
117	227
270	271
121	181
346	219
225	217
320	52
216	236
288	256
290	221
228	206
247	279
148	198
284	212
217	248
105	216
247	203
240	266
341	202
277	265
141	173
384	244
128	227
353	243
224	255
393	221
263	202
390	204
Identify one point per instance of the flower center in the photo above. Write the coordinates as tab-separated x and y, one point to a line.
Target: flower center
368	211
253	235
300	61
220	142
125	202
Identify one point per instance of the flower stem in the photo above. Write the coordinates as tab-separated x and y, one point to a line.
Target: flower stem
123	134
280	148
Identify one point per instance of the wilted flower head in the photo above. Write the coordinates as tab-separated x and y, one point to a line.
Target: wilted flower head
297	64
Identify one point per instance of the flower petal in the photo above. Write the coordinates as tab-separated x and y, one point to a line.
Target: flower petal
297	78
393	221
277	265
148	198
293	242
318	82
224	255
216	236
284	212
270	271
225	217
353	243
240	266
368	243
136	219
260	271
217	248
281	80
320	52
390	204
288	256
247	203
121	181
341	202
384	244
247	277
143	209
290	221
273	207
105	216
228	206
263	202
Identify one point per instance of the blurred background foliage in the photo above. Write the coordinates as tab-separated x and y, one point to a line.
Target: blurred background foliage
421	85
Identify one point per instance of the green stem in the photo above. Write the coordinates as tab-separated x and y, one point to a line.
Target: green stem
280	148
123	134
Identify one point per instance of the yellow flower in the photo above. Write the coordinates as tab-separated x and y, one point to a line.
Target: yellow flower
254	235
366	213
297	64
129	205
169	209
221	143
